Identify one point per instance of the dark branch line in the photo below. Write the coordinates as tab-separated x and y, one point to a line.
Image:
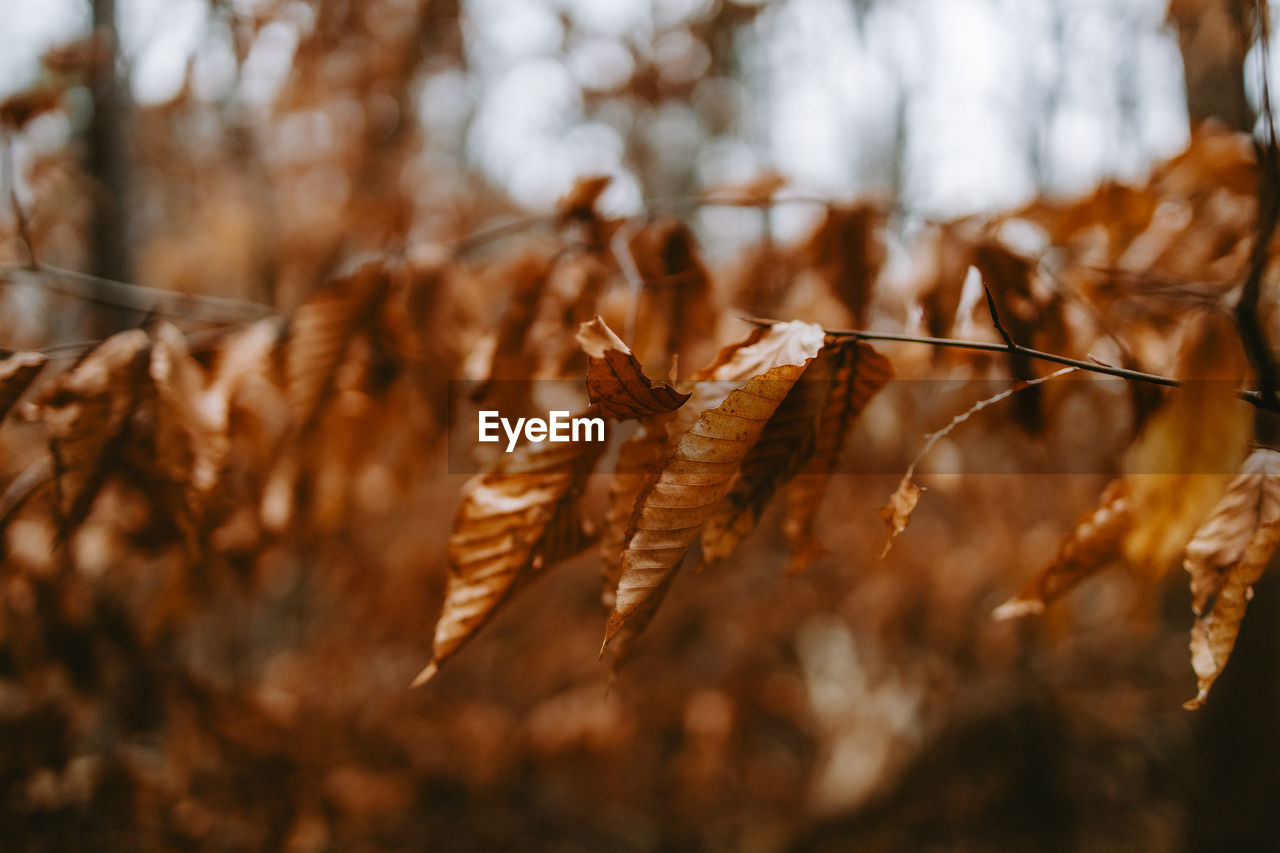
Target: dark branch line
1253	397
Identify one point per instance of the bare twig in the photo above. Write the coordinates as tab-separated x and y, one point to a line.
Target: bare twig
151	299
1255	398
620	246
983	346
897	512
934	437
995	320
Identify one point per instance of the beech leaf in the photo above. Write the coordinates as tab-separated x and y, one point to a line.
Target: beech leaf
84	411
674	508
640	459
1225	558
897	512
814	417
320	336
1095	542
512	522
615	380
859	372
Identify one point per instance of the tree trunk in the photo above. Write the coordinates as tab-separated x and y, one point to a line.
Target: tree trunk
1214	37
107	164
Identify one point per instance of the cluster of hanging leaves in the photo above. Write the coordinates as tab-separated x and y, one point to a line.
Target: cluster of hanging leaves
705	461
265	430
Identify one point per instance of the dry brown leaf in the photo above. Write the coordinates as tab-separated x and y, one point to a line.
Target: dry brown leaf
1225	558
580	201
678	311
897	512
321	333
848	251
640	460
21	107
673	509
1094	543
784	446
830	394
192	412
507	387
85	411
859	372
17	372
580	206
616	381
1178	466
512	523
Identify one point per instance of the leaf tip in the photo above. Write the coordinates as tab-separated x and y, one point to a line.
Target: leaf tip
1016	608
595	337
426	675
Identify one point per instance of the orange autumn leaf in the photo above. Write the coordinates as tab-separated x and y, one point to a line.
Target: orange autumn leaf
513	522
672	511
1095	542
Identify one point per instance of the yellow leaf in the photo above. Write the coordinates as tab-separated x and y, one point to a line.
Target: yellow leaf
1179	465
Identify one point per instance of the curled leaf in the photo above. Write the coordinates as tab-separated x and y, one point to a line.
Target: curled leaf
1095	542
897	512
1225	558
615	380
902	502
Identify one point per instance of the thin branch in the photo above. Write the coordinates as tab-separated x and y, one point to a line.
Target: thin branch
995	320
1254	398
620	246
168	302
983	346
934	437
